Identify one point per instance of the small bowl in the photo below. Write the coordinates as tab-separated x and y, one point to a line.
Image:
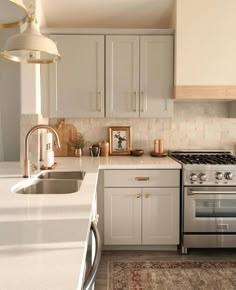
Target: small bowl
137	152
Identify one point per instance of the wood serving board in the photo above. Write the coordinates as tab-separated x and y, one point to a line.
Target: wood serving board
65	133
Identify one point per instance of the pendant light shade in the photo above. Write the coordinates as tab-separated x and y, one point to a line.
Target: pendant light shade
31	46
12	13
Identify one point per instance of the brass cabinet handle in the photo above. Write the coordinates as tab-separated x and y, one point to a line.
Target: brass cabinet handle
99	101
135	101
138	195
144	102
142	178
147	195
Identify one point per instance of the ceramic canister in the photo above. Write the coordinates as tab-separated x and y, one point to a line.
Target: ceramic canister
105	149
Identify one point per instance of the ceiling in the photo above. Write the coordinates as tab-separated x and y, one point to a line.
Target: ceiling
108	13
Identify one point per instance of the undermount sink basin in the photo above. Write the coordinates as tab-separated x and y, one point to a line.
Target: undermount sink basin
53	186
53	182
62	175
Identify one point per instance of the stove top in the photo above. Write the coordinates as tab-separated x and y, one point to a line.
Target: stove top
208	158
207	167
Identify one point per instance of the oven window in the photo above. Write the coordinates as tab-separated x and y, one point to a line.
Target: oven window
215	208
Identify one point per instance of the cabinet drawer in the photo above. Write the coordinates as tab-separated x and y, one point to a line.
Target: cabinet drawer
141	178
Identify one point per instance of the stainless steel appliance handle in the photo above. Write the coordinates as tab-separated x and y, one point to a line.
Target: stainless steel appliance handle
93	271
193	192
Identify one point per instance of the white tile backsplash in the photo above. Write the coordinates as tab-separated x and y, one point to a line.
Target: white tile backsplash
195	125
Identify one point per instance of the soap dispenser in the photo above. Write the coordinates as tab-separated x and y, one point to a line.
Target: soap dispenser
49	154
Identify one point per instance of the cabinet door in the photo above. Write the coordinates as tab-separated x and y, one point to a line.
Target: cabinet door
122	76
122	216
77	80
160	220
156	76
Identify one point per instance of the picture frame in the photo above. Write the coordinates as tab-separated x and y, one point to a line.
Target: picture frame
120	140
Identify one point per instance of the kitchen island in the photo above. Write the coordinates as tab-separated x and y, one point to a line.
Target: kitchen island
43	239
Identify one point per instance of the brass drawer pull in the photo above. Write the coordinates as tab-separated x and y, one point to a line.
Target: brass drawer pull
142	178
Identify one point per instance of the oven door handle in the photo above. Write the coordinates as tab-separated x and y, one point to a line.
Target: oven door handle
193	192
93	271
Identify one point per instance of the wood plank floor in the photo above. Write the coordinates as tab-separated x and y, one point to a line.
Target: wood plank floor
101	280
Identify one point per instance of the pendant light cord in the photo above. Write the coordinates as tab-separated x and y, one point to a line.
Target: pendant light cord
31	11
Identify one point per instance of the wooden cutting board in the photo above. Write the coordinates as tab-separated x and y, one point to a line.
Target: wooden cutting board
65	133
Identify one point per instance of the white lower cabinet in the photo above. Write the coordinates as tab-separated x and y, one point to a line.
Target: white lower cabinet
122	215
141	215
160	216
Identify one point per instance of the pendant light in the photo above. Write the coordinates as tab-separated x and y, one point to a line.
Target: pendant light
31	46
12	13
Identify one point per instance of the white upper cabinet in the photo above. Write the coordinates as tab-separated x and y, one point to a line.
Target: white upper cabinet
139	76
122	76
77	80
156	76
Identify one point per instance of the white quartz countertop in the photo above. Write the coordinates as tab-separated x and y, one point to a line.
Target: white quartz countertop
43	238
92	164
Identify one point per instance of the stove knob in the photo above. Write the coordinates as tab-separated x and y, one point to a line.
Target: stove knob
219	176
193	177
202	176
229	175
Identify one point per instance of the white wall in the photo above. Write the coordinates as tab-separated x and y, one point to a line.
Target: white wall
30	88
9	104
30	74
206	42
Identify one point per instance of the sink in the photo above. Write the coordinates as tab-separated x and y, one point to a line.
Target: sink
53	186
62	175
53	182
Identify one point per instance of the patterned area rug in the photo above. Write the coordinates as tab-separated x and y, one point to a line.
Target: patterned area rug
172	275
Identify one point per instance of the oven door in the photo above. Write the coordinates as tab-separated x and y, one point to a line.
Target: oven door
209	209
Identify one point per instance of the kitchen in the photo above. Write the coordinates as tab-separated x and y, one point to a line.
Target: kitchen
203	116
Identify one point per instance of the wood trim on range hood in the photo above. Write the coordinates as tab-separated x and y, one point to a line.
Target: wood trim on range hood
205	92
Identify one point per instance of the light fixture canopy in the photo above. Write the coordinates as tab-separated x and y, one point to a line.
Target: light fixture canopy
31	46
12	13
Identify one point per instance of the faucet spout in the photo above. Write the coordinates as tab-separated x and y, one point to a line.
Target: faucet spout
30	132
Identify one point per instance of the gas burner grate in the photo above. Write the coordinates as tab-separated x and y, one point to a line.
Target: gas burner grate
212	159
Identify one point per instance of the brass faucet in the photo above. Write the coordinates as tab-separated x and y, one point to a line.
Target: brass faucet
26	160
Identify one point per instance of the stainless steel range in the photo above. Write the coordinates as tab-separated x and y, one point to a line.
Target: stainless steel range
208	199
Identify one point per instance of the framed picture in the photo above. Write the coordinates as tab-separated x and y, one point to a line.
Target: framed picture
120	140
